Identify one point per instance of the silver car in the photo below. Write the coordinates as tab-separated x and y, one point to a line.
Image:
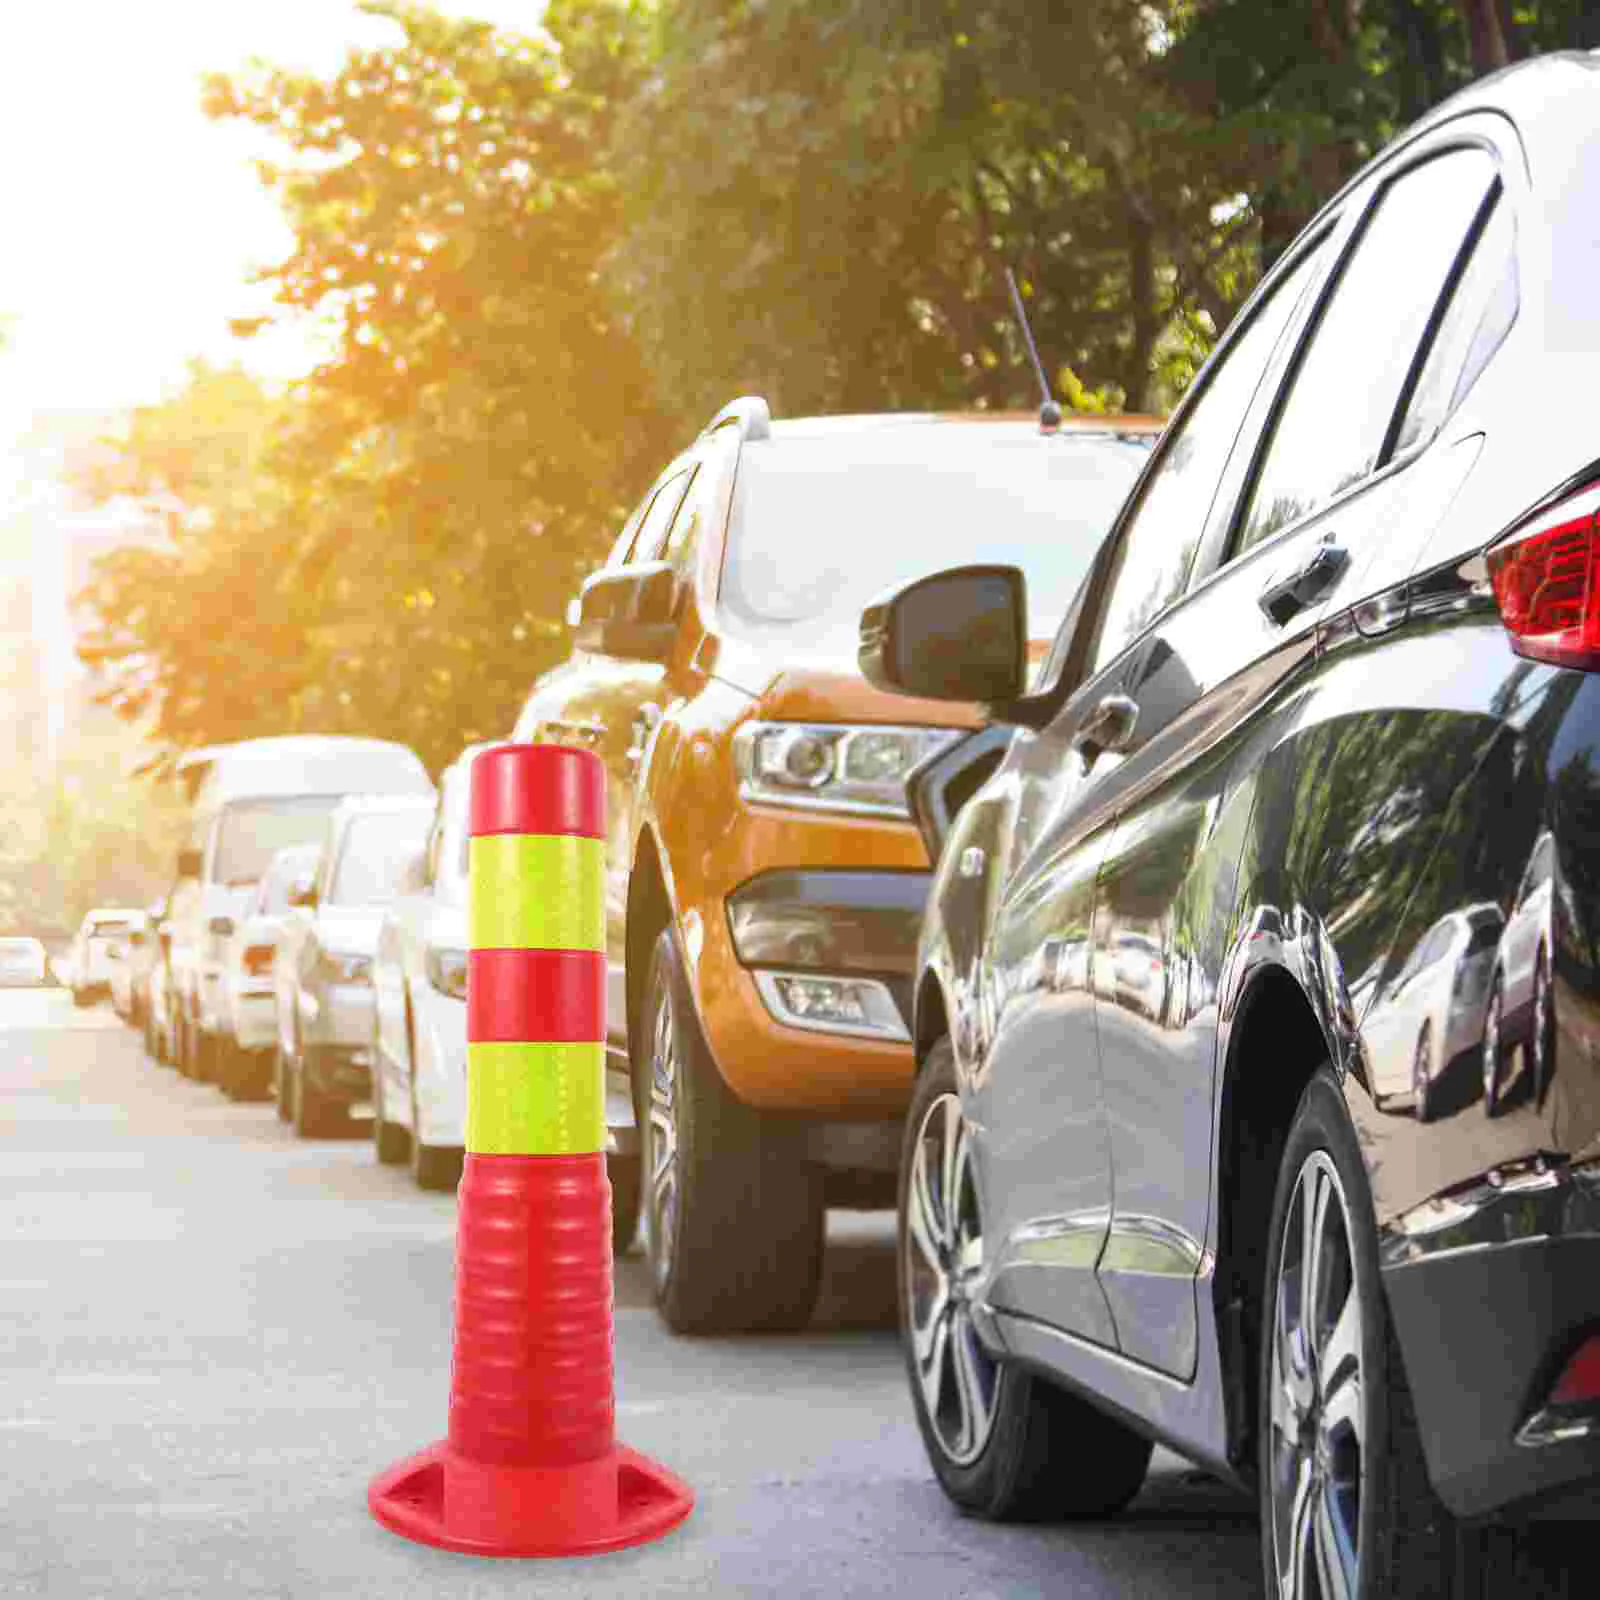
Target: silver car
323	967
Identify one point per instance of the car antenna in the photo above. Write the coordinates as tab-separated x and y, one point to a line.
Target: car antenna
1049	411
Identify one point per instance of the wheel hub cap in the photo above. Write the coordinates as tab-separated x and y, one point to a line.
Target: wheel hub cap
661	1201
1317	1461
942	1247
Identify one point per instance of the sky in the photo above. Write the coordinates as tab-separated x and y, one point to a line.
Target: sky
132	223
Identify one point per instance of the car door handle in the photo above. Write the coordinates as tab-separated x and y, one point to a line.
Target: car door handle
1108	727
645	722
586	734
1304	584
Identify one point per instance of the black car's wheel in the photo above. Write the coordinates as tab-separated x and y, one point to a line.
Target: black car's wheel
623	1174
1346	1505
1421	1079
1494	1049
733	1212
1004	1443
316	1115
1542	1030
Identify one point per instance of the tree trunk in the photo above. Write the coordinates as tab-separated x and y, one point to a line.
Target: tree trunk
1419	67
1146	324
1484	35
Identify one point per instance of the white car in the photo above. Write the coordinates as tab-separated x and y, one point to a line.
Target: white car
23	964
248	1039
419	983
1433	1009
1520	1009
323	969
89	962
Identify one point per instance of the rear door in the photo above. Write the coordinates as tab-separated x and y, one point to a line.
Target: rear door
1315	487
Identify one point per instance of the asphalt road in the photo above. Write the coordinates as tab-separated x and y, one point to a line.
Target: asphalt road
212	1336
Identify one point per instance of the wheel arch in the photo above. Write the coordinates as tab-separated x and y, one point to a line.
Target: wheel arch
930	1016
649	911
1275	1043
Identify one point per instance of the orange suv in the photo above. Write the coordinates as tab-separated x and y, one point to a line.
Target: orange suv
765	875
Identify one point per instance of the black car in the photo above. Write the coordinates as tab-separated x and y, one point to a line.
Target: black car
1332	678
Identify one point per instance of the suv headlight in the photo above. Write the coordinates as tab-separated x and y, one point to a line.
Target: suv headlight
447	971
336	967
833	766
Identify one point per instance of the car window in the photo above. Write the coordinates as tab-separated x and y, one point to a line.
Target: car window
652	537
373	855
1158	541
1480	313
1332	430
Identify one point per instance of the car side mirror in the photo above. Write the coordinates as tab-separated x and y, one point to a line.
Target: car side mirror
630	612
958	635
304	893
222	927
414	876
189	862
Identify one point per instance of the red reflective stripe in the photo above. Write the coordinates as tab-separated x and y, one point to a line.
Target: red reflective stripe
531	995
538	788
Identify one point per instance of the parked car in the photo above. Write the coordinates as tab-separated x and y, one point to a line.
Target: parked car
1356	566
322	972
247	802
1520	1012
765	875
247	1043
88	963
161	1012
123	956
23	964
1434	1009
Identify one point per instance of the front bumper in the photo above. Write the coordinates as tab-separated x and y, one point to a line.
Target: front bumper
1490	1287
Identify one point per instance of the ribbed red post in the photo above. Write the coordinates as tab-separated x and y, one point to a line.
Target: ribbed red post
531	1465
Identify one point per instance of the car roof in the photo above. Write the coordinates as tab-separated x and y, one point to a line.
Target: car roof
1076	424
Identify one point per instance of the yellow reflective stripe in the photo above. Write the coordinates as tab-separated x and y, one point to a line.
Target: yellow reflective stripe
536	891
536	1099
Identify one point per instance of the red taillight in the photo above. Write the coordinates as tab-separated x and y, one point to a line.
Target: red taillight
1580	1378
1547	584
258	960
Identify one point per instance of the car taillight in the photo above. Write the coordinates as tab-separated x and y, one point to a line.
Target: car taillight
1546	580
1579	1382
258	960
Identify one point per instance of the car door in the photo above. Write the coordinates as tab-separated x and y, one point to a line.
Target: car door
1313	489
607	704
399	954
1036	1097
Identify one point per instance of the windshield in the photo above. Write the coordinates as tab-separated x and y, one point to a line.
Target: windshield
254	831
374	854
820	526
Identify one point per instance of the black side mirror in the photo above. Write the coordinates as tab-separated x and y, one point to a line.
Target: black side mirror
190	861
630	612
222	927
959	635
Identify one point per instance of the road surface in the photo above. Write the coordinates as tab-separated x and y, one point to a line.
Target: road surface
212	1336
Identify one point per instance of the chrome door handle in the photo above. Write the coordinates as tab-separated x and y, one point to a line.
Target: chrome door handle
1303	585
585	734
1108	727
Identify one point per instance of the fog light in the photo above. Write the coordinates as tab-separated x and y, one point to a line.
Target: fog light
1580	1378
862	1007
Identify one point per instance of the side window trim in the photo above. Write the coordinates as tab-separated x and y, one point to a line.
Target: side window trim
1365	210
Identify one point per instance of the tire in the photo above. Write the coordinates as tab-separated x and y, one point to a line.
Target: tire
203	1062
1405	1542
623	1173
1493	1049
1040	1454
1421	1082
733	1214
316	1115
390	1142
182	1054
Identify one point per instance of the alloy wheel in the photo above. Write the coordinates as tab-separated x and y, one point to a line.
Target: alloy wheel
1419	1076
1539	1047
1491	1050
661	1198
1317	1456
960	1383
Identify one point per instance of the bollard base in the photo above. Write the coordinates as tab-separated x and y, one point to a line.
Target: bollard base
441	1499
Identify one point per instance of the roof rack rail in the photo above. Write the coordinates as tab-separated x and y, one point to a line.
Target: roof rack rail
749	413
